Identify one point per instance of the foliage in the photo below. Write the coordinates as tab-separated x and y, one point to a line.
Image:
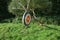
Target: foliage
19	5
11	31
4	4
4	14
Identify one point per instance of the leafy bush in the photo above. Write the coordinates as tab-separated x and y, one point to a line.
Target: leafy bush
19	5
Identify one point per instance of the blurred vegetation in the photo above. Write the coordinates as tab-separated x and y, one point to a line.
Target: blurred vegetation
51	18
4	14
14	31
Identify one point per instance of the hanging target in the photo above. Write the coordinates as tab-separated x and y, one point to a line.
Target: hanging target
26	19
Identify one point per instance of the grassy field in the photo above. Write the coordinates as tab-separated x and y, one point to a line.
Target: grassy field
14	31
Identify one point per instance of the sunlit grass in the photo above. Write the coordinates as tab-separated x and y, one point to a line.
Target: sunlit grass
14	31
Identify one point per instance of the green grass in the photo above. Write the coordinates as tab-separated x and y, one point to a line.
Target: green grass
11	31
